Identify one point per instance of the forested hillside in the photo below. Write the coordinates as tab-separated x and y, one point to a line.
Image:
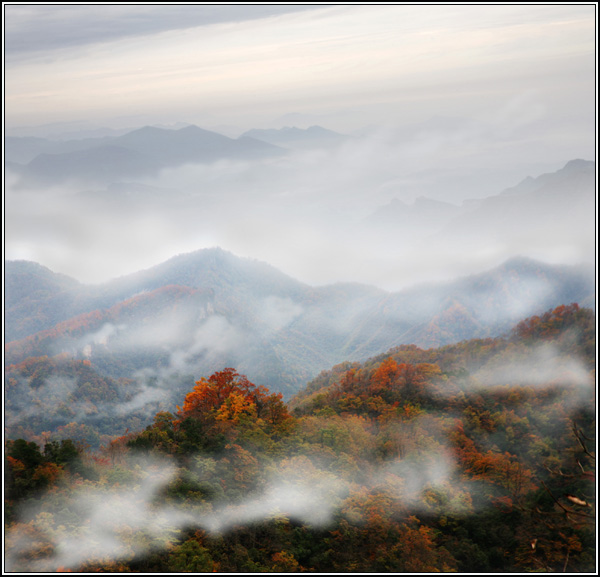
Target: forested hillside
149	335
472	457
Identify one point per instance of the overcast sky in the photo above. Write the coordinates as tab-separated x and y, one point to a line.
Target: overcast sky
247	65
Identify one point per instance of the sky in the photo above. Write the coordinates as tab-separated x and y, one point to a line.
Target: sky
244	65
488	94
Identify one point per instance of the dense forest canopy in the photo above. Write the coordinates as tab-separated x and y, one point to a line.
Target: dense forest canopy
417	460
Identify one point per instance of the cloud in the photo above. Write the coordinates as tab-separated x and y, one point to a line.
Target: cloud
418	474
208	345
106	517
44	28
216	335
150	389
257	62
304	214
25	402
551	367
279	312
541	366
102	336
132	517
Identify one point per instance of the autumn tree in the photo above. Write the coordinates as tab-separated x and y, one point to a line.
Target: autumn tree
227	395
226	407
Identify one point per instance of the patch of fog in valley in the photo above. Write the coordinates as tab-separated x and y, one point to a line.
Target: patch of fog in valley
303	213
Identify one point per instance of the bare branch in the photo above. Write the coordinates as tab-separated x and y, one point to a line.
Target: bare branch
565	509
580	437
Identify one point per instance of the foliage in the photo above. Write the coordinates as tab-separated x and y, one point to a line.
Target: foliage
413	461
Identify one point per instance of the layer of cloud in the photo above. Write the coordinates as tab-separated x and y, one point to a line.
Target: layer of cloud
372	61
43	28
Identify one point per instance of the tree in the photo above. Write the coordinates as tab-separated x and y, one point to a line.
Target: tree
226	396
191	557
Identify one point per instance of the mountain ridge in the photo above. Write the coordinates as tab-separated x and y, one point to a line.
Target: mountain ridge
293	137
140	152
246	312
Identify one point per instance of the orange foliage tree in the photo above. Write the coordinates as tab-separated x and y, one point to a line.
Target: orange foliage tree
227	396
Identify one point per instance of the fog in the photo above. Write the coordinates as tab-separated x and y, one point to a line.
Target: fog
134	517
134	513
315	215
542	366
50	392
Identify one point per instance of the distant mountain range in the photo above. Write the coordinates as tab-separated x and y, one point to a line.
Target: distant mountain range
143	152
553	210
425	214
292	137
560	200
201	311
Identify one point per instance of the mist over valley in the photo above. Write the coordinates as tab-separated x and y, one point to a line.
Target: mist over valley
300	288
196	313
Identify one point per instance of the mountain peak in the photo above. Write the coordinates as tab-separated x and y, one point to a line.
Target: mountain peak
578	164
193	129
519	262
21	266
147	130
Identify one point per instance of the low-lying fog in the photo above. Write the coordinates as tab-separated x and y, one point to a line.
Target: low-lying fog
376	209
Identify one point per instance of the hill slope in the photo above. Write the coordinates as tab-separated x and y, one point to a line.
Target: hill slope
475	457
201	311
